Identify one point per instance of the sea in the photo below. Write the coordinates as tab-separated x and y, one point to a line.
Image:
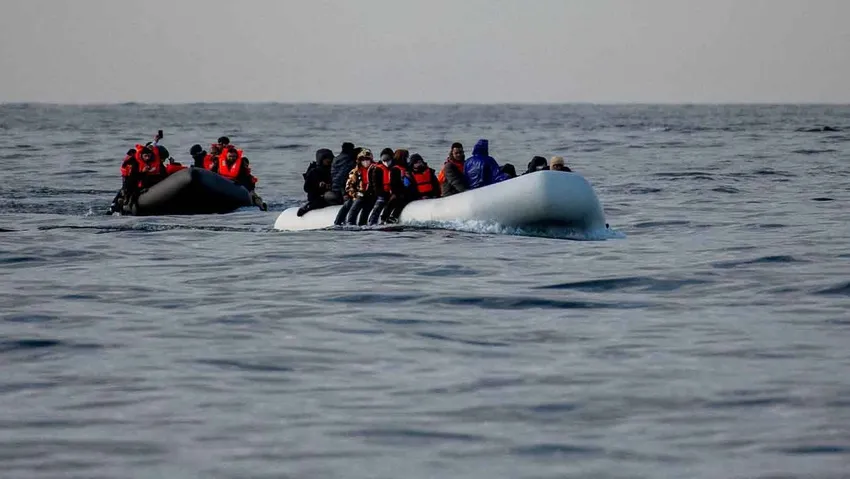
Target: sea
708	336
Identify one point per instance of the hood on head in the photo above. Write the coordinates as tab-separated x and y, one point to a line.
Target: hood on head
323	153
482	148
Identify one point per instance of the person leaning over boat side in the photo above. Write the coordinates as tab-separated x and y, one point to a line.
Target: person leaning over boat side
198	154
427	185
317	181
340	168
451	176
481	169
557	164
235	167
402	187
379	184
538	163
357	188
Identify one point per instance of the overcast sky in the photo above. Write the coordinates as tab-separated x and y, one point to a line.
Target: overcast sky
83	51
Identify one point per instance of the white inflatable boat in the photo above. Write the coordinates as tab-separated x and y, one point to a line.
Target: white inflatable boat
542	199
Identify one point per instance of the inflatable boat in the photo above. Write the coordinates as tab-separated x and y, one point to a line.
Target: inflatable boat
544	199
190	191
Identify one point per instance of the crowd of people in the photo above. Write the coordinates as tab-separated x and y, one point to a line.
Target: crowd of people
374	191
146	165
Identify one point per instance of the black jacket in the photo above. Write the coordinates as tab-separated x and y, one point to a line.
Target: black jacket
340	168
317	181
455	181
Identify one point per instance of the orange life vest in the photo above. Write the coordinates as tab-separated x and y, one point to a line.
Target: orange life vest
230	172
442	176
173	168
423	181
154	168
209	161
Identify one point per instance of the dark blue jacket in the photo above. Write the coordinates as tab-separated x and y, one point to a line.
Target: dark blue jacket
481	169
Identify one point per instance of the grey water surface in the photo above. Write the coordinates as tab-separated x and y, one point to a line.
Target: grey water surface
709	339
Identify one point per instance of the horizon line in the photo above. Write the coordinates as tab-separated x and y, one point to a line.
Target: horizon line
435	103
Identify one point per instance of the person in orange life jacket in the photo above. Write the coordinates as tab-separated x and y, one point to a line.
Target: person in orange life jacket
424	177
317	181
357	187
402	187
233	166
141	168
451	176
380	176
557	164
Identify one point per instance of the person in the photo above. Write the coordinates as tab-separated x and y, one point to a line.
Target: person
402	187
427	185
235	167
199	156
224	141
558	164
340	168
380	179
451	176
481	169
509	170
538	163
141	168
357	188
213	156
317	181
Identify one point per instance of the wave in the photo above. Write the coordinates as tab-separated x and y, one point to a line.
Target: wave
554	232
777	259
641	283
805	151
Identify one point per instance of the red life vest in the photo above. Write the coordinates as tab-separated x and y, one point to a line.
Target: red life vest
230	172
364	178
423	181
442	176
209	161
173	168
154	168
386	172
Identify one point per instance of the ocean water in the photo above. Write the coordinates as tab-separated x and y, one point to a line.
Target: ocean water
709	337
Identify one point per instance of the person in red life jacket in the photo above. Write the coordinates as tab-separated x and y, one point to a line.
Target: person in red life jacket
142	168
402	187
425	178
380	175
357	187
234	166
451	177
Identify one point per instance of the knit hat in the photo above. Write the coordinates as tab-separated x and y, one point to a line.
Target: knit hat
556	160
365	153
224	140
196	150
416	157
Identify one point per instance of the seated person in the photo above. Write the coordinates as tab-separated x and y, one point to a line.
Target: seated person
557	164
481	169
427	185
317	181
451	176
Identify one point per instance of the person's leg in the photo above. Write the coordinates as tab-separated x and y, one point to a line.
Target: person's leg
343	212
377	210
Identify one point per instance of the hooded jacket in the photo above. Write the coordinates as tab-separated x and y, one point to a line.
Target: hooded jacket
341	167
317	174
481	169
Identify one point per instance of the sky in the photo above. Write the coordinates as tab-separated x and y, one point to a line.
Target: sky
425	51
